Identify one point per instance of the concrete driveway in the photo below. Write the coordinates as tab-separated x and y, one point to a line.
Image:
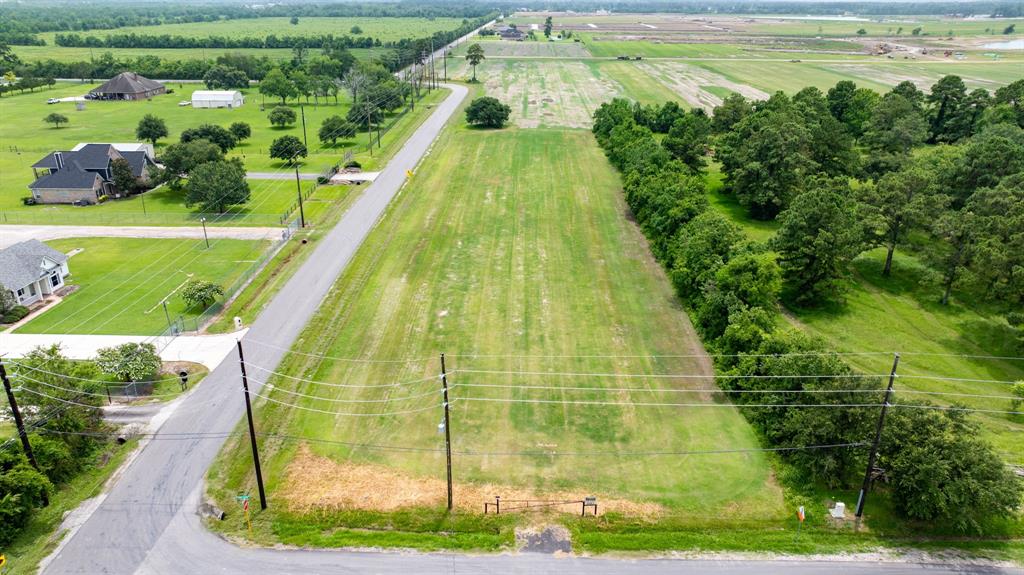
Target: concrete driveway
209	350
12	234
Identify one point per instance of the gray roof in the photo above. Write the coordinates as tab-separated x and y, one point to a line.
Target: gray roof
90	157
137	160
127	83
21	263
68	178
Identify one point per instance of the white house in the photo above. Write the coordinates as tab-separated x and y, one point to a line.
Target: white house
32	270
217	99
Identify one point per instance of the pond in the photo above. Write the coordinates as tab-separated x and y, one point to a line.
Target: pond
1010	45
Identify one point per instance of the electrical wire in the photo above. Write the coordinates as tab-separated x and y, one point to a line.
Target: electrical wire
94	394
22	365
39	393
658	404
383	400
381	414
667	375
350	385
336	358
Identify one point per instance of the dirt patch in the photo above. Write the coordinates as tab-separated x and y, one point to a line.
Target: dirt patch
690	82
559	93
547	539
315	482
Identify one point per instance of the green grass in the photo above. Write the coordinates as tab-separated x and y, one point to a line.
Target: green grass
73	54
929	26
36	541
384	29
637	84
790	77
123	280
26	139
610	48
524	250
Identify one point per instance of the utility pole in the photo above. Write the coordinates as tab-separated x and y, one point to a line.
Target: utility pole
444	60
298	188
252	430
866	486
447	431
167	314
18	421
302	109
205	237
369	132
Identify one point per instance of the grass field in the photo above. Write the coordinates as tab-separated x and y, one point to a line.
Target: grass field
69	54
384	29
523	251
25	139
123	280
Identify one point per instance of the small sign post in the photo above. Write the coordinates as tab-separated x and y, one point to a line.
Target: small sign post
184	379
244	498
800	516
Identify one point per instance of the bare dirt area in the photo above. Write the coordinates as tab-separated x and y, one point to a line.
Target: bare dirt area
922	77
314	483
691	82
562	93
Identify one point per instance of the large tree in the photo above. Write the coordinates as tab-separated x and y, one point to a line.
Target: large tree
180	159
281	116
901	201
288	148
151	129
487	112
129	361
475	55
212	133
946	101
818	239
335	127
221	77
688	138
214	186
276	84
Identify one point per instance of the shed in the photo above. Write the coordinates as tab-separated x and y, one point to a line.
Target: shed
217	99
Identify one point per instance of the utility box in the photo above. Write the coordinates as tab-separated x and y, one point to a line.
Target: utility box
238	322
839	511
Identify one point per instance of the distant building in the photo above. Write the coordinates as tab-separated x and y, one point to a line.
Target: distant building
85	173
128	86
217	99
32	270
510	33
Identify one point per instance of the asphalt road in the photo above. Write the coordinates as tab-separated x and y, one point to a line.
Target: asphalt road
147	522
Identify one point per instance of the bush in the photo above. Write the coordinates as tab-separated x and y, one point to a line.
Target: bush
200	293
487	112
129	361
281	116
353	164
28	201
15	314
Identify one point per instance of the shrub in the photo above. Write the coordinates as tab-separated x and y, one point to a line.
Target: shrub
487	112
129	361
201	293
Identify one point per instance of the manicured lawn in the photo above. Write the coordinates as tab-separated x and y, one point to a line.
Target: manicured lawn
123	280
525	250
69	54
26	139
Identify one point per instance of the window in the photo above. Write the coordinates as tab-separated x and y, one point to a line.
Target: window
55	280
21	293
32	288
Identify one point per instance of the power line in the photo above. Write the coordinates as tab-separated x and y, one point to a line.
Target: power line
334	400
26	366
82	392
331	384
659	404
667	375
382	414
336	358
34	392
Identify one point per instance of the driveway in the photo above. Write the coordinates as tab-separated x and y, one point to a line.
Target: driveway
12	234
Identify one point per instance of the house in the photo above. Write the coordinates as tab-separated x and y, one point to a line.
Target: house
217	99
32	270
511	33
84	174
127	86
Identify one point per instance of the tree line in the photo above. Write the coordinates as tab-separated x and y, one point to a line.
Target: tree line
733	287
134	40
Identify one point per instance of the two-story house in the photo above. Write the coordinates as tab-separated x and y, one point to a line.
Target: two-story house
85	173
32	270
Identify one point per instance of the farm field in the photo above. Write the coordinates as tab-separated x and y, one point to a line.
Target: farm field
383	29
123	280
635	83
505	263
70	54
26	139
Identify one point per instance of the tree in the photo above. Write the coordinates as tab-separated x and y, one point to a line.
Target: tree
294	20
729	113
180	159
335	127
993	154
151	129
487	112
547	27
818	239
1013	96
287	148
896	126
754	279
1017	390
281	116
240	130
862	32
831	146
200	293
8	59
687	139
946	99
356	30
1010	29
214	186
124	179
221	77
940	470
901	201
475	55
275	83
56	119
702	247
129	361
220	136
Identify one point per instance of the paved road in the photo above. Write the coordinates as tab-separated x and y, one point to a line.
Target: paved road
12	234
147	522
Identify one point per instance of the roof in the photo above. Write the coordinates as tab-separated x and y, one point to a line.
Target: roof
122	147
87	157
217	95
137	160
127	83
68	178
21	263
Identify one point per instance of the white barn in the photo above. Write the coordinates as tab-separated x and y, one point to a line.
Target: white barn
217	99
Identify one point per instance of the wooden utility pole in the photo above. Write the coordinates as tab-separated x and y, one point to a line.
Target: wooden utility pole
866	486
252	429
447	431
302	109
302	212
20	424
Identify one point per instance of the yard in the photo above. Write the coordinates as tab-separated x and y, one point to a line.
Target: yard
122	282
517	263
26	139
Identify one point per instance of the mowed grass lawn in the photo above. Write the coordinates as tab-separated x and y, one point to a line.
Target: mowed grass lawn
510	250
123	280
26	138
76	54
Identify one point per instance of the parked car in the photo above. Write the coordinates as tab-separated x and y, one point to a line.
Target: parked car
185	103
53	101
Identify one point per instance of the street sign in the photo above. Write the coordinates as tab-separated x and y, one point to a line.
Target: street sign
408	173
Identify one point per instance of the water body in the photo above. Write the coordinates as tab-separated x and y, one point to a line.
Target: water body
1009	45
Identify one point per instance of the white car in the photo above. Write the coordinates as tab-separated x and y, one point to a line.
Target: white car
185	103
53	101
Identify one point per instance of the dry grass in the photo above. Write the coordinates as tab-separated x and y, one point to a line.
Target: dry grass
690	82
549	94
315	483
